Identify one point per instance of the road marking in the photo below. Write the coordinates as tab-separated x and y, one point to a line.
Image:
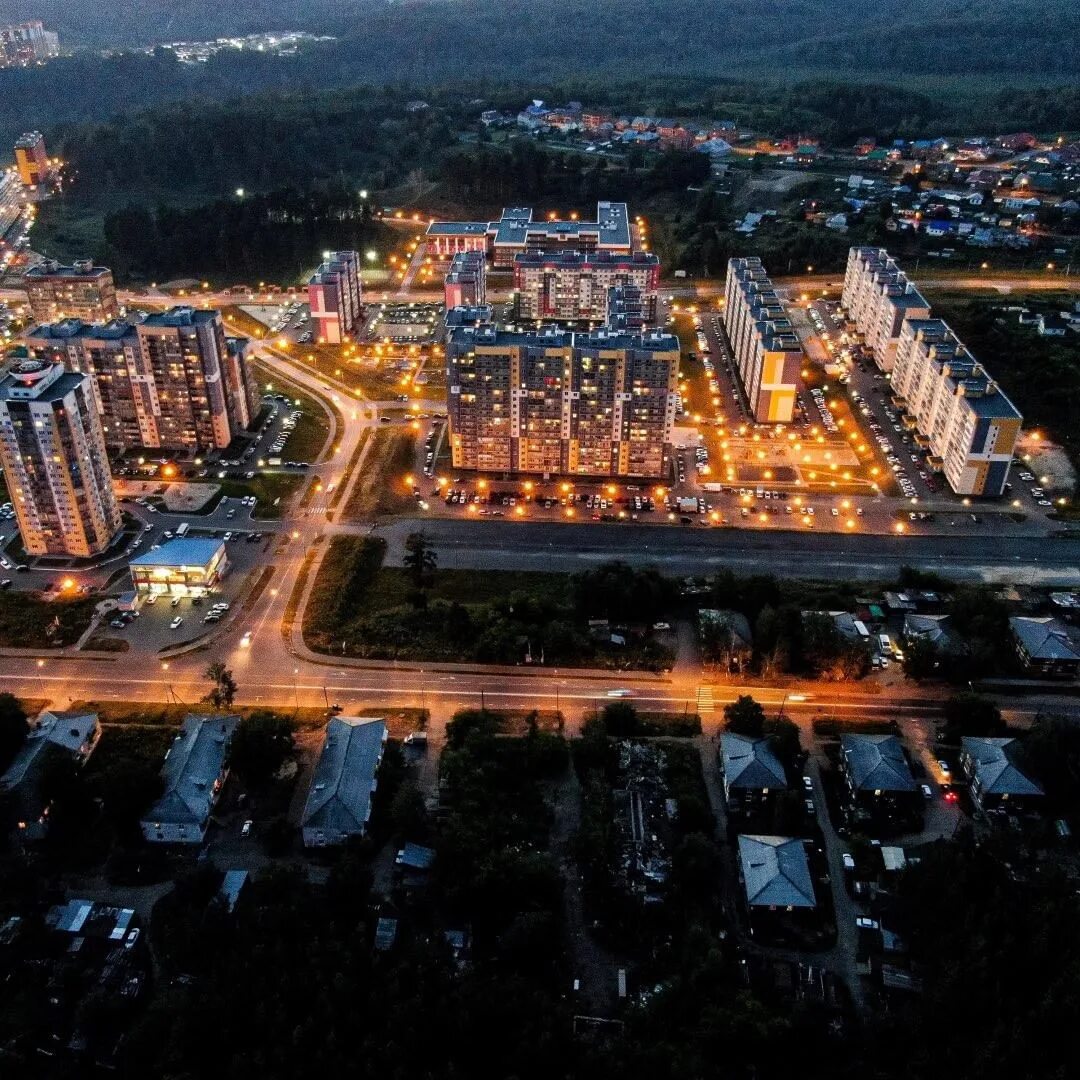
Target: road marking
705	704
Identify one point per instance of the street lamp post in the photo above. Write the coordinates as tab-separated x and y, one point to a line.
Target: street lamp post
296	689
164	681
41	680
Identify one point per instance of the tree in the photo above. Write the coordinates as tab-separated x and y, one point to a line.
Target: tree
262	743
419	558
972	715
13	729
223	692
745	716
921	659
620	719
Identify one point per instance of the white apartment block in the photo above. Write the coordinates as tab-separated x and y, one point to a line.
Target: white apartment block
957	411
53	451
767	351
878	298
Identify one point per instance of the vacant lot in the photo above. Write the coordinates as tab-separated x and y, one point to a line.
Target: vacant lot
32	623
381	488
361	608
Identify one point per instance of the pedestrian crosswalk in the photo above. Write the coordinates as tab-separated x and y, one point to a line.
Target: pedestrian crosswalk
704	700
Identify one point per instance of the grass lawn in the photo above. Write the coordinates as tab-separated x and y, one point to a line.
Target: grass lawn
381	488
392	586
145	715
29	622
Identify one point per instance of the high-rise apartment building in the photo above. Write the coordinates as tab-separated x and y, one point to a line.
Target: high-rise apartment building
958	412
27	43
767	352
878	298
173	380
558	403
57	471
572	286
12	200
335	297
465	284
31	161
80	291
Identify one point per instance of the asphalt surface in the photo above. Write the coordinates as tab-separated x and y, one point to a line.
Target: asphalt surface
692	549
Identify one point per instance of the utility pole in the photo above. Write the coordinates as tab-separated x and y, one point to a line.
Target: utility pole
780	714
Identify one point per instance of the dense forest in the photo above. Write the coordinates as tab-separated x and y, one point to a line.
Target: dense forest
713	53
412	38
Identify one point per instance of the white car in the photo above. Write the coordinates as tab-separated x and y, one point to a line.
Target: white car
621	693
245	641
176	623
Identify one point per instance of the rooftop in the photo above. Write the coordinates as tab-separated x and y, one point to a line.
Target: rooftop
78	269
180	316
1044	638
192	768
750	763
183	551
486	336
994	768
586	258
877	762
339	800
68	731
775	872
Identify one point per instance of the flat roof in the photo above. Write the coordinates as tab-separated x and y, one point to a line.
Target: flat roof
182	551
51	391
67	271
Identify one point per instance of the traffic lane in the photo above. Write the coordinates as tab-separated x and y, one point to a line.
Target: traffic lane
314	685
490	544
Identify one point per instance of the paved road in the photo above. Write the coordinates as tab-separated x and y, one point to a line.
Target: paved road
695	550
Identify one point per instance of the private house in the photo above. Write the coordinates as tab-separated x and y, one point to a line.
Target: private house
850	627
55	736
752	774
775	876
996	781
935	629
338	805
1044	646
878	777
194	772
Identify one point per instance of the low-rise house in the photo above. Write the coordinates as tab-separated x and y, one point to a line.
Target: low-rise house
1052	326
1044	646
338	805
878	776
751	772
775	874
195	769
56	735
848	626
995	778
415	859
935	629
